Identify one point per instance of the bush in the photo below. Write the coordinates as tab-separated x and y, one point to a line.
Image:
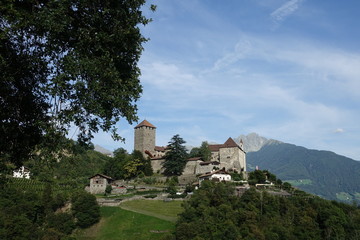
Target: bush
150	196
177	196
85	209
108	189
149	180
62	222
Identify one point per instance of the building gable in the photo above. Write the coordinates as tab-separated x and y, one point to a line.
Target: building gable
145	123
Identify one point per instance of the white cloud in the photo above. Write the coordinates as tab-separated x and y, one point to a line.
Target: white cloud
240	51
339	130
285	10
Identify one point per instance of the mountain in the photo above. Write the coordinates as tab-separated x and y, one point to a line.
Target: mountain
323	173
102	150
253	142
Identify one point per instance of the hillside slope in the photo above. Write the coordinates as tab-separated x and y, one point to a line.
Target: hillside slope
320	172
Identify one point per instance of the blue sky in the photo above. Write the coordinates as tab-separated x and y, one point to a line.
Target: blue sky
285	69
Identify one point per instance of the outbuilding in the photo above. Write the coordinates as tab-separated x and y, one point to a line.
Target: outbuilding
98	183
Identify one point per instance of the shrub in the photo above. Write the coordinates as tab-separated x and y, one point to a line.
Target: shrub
85	209
149	180
150	196
108	189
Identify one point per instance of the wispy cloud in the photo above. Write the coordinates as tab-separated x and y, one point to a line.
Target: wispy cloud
339	130
240	51
285	10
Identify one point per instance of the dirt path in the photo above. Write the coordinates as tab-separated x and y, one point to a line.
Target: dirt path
167	218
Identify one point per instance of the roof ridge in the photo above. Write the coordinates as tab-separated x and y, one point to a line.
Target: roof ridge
145	123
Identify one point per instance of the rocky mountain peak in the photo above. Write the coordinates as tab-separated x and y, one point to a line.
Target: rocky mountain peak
254	142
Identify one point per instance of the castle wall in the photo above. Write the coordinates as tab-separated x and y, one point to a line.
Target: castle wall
201	169
232	158
190	167
156	165
214	156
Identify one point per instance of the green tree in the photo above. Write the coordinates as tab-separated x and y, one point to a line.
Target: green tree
194	152
85	209
145	168
132	168
257	176
67	63
114	167
22	105
176	157
203	151
108	189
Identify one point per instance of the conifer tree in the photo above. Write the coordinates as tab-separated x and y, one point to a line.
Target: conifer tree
175	158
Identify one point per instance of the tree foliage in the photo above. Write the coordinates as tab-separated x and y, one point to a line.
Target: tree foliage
27	214
175	158
67	63
203	151
85	209
126	166
214	212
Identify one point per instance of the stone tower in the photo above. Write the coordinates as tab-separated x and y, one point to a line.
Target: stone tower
144	137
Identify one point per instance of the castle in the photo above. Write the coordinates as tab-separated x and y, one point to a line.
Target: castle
229	155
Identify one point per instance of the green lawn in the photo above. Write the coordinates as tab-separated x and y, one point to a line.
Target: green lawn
160	209
138	219
117	223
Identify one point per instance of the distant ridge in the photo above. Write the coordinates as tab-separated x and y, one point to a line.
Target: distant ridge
323	173
102	150
253	142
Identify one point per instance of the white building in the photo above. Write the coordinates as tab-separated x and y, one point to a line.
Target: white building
22	172
219	175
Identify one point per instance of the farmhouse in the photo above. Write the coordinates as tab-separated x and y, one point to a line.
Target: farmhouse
98	183
22	172
228	155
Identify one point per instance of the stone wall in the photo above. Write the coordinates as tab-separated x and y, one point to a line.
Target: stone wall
232	158
201	169
144	139
98	185
190	167
156	165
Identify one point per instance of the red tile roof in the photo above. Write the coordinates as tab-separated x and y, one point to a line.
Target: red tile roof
160	149
215	147
146	124
230	143
194	159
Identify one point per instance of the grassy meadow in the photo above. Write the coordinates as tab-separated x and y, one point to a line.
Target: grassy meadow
147	219
160	209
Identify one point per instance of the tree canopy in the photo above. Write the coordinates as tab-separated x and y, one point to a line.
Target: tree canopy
67	63
175	158
126	166
214	212
203	151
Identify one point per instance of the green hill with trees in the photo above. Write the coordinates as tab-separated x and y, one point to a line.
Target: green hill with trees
322	173
214	212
